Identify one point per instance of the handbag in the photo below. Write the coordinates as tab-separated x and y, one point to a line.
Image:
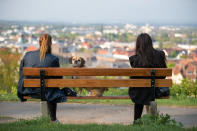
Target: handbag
69	92
162	91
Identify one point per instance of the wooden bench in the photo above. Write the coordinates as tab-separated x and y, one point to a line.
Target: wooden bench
119	81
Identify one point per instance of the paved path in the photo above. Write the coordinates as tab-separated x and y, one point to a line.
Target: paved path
93	113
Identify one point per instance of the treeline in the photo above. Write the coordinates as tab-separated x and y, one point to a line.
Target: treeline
124	37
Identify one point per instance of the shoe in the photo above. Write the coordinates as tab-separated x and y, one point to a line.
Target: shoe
56	121
134	122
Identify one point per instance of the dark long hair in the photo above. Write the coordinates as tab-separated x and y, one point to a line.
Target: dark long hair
144	50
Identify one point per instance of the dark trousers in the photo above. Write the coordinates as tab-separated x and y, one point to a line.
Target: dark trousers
52	107
138	109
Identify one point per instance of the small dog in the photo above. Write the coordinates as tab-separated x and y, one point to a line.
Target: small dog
80	63
77	61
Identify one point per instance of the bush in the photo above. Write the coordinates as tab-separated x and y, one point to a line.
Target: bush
158	120
187	88
9	64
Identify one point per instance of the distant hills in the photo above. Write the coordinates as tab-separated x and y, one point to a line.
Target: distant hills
25	22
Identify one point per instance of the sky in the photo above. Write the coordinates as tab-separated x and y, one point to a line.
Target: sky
100	11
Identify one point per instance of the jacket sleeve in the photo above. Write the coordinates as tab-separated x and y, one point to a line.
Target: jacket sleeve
163	60
163	63
20	82
131	61
56	63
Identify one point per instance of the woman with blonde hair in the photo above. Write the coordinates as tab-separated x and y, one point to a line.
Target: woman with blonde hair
41	58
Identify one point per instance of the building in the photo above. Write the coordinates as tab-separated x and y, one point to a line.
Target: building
184	69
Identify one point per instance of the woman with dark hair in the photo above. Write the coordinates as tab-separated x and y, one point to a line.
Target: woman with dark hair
145	57
41	58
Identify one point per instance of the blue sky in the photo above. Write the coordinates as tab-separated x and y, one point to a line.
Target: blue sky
97	11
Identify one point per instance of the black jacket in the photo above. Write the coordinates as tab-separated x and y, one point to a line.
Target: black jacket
143	95
32	59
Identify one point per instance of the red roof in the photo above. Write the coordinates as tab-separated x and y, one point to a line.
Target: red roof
195	58
102	52
121	52
177	69
185	61
31	48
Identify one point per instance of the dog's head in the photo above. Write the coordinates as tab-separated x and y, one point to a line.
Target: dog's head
77	61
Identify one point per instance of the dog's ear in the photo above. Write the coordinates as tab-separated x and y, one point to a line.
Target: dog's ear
70	60
82	61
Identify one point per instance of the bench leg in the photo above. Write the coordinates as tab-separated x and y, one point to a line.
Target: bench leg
153	108
44	109
147	109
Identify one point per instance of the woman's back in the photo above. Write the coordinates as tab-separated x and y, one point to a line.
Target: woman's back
156	61
40	58
32	59
146	57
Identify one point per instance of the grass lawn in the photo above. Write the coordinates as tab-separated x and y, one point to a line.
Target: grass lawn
182	101
43	124
170	102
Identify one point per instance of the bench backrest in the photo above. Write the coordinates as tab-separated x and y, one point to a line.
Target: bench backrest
112	82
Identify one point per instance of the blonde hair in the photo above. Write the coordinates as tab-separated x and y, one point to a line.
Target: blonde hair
45	45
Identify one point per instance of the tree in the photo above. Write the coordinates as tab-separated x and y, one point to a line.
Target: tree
173	54
164	36
195	88
9	64
171	65
160	44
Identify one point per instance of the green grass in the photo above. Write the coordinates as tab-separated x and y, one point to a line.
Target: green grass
184	101
178	101
43	124
8	97
12	97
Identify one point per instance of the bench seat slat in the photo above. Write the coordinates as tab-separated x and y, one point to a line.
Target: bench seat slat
107	97
95	97
98	83
28	71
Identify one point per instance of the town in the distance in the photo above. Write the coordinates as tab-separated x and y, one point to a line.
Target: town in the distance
107	45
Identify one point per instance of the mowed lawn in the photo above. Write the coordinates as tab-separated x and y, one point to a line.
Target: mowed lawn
43	124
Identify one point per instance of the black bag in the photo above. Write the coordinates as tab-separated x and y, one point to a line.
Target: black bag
69	92
162	91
